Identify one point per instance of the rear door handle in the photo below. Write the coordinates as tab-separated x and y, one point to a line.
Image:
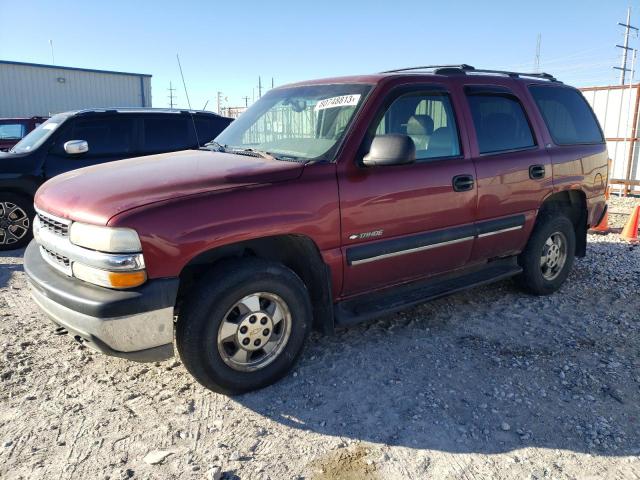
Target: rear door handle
463	183
536	172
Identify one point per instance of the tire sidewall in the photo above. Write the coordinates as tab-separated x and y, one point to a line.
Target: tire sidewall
533	278
211	306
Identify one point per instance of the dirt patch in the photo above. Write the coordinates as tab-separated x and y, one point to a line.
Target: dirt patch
346	464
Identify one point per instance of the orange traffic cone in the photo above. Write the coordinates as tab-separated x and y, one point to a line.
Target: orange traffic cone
603	226
630	230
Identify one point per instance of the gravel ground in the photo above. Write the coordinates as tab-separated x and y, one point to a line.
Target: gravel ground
489	383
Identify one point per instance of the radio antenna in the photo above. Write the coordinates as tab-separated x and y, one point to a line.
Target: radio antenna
186	93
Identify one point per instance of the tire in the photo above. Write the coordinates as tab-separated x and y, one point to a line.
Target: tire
216	308
544	279
16	217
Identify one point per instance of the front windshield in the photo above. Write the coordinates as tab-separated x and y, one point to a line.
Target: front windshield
38	136
297	123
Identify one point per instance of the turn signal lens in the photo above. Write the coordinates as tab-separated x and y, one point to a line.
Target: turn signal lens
109	279
127	279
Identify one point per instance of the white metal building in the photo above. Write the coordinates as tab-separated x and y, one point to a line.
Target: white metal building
616	107
29	89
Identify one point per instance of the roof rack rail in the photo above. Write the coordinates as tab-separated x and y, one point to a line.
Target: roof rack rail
461	66
465	69
140	110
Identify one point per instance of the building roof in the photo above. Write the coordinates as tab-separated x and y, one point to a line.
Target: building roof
58	67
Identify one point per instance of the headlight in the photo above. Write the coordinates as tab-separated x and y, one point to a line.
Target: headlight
105	239
109	279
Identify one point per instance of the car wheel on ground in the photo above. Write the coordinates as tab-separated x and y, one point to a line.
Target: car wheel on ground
244	325
16	215
548	257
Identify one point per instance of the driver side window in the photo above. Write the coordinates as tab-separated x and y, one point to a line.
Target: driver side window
105	136
427	118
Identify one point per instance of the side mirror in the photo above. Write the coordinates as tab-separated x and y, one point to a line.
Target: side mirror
75	147
392	149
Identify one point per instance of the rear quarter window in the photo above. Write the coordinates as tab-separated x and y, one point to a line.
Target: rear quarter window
567	115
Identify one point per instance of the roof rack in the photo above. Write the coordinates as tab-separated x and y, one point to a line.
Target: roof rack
465	69
140	110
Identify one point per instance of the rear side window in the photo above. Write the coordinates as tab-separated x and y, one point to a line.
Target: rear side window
568	116
500	122
167	134
209	128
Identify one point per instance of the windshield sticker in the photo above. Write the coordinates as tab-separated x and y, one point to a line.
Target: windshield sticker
341	101
49	126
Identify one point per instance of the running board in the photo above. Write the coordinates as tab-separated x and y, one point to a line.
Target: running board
366	307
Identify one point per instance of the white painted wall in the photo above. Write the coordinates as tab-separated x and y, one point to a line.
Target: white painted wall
614	108
27	90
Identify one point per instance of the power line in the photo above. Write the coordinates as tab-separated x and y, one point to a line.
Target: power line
625	48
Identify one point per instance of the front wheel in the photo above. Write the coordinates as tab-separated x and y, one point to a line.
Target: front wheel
244	326
548	257
16	214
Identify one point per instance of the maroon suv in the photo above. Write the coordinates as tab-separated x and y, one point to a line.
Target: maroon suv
12	130
327	203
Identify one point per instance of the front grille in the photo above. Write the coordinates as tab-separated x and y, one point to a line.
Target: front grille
53	225
56	257
57	261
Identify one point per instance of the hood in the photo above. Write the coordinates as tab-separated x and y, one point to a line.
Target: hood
95	194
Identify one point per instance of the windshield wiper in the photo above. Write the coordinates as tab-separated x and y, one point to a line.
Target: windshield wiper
214	146
252	152
256	153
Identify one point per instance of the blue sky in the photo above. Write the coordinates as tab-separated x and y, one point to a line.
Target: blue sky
224	46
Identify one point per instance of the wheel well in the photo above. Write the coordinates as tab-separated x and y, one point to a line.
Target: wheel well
297	252
573	204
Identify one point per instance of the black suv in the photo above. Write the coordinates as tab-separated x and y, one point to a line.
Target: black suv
88	137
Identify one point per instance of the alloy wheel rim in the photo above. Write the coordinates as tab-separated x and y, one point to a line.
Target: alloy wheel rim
14	223
254	331
554	255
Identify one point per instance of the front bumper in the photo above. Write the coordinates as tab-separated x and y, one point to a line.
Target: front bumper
135	324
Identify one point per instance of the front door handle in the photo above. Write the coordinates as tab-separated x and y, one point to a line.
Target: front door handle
463	183
536	172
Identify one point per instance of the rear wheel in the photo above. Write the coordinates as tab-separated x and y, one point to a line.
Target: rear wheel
16	215
244	326
549	254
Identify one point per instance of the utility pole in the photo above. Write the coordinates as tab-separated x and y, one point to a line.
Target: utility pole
219	103
259	87
53	59
246	101
171	95
271	82
630	130
625	48
536	61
